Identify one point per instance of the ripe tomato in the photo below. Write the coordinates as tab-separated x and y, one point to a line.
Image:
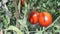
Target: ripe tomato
22	2
45	19
33	17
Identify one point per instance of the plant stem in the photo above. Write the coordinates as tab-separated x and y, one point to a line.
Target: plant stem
17	13
16	9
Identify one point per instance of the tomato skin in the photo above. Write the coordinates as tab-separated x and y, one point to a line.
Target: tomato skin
45	19
33	17
22	2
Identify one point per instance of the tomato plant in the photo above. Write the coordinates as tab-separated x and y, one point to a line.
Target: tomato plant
13	17
33	17
45	19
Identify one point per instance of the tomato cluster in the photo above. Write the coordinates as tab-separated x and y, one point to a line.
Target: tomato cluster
43	18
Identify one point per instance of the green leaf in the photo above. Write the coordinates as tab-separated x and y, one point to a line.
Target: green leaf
58	3
14	29
44	5
52	11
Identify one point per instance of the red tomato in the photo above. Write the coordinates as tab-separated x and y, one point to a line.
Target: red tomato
33	17
45	19
22	2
